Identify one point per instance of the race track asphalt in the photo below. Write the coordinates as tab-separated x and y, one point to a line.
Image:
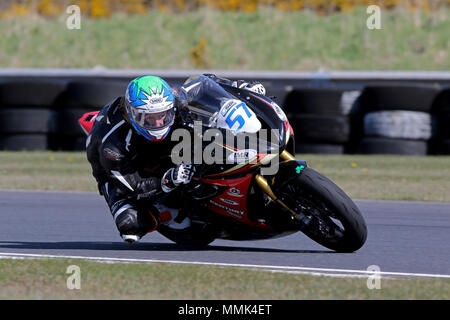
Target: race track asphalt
405	237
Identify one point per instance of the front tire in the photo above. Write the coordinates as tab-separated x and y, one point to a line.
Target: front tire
335	220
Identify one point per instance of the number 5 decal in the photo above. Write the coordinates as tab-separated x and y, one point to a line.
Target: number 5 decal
239	118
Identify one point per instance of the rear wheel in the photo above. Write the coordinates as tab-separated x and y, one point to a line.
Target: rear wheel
333	218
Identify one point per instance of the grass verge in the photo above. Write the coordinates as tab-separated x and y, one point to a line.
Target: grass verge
267	39
47	279
362	177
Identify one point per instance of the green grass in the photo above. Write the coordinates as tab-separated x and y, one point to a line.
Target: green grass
360	176
47	279
268	39
67	171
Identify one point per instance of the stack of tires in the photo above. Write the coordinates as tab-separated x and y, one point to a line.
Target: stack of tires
277	93
440	144
397	119
322	118
80	96
24	113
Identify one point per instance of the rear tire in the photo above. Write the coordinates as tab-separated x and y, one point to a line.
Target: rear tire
325	202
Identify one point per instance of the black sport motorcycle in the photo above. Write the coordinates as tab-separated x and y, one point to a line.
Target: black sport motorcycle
243	196
237	198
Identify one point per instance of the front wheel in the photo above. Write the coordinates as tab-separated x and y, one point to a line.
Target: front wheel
333	218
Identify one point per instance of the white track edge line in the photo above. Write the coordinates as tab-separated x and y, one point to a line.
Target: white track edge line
267	267
317	274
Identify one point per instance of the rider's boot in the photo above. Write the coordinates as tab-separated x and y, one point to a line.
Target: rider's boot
131	238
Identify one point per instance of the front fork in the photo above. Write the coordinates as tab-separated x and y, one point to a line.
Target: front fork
264	185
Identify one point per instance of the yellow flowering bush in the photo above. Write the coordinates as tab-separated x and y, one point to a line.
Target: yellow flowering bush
15	10
49	8
104	8
100	9
198	54
133	7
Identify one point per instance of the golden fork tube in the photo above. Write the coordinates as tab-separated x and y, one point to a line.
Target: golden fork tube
262	182
286	155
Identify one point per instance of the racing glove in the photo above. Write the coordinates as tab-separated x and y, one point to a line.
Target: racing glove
254	86
181	174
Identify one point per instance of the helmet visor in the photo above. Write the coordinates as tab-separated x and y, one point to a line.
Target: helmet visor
153	121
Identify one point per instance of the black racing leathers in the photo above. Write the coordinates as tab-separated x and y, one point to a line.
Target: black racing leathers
128	168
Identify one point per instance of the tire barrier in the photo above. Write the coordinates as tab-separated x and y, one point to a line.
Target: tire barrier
24	120
20	142
321	101
78	98
321	128
440	144
30	93
443	126
397	119
398	124
392	146
322	118
64	131
399	97
317	148
439	147
24	113
394	118
90	94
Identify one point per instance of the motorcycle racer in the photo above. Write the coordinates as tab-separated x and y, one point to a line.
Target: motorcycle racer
129	150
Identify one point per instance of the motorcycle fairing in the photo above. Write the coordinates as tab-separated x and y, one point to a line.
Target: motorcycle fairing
235	116
258	160
266	111
280	113
232	202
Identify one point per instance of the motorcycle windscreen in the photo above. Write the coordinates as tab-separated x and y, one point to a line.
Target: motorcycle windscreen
204	98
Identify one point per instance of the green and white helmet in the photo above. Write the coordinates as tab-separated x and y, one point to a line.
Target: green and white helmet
150	105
